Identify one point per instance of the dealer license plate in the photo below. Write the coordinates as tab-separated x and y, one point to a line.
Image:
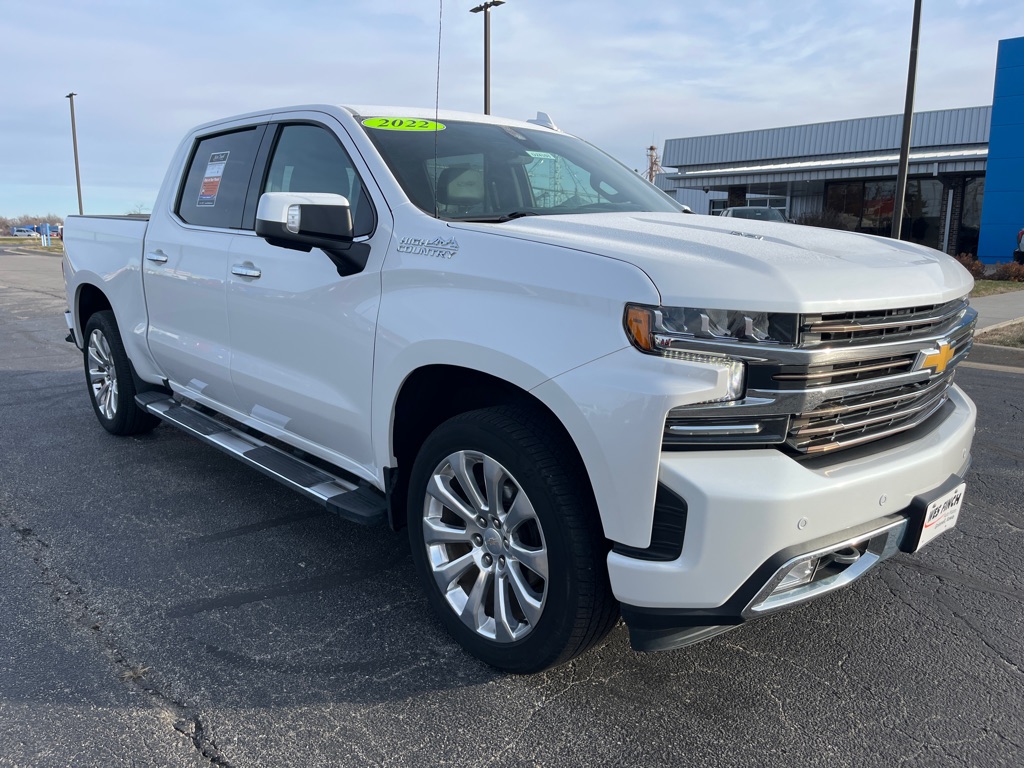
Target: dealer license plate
941	514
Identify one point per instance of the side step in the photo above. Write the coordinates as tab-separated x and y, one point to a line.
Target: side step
360	504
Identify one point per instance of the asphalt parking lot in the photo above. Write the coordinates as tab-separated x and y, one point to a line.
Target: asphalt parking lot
166	606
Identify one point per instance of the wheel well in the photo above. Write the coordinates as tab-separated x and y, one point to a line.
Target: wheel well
435	393
90	301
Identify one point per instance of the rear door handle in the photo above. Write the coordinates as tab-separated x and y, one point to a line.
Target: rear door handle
245	271
158	256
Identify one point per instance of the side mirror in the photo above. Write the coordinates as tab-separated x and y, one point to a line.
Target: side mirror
304	220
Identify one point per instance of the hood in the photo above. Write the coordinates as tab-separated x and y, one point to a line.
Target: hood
707	261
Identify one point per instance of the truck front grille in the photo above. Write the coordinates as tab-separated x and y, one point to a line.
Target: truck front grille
854	378
880	402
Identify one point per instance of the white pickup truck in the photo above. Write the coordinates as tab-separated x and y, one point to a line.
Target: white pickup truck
580	403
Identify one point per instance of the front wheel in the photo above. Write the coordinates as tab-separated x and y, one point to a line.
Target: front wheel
108	374
506	538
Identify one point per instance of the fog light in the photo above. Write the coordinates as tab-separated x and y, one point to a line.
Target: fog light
801	573
813	574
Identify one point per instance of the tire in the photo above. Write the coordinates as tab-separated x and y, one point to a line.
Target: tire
505	536
108	375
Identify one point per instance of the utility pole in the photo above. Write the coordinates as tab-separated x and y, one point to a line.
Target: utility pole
653	164
486	8
74	141
908	117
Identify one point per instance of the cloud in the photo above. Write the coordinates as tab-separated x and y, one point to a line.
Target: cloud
620	74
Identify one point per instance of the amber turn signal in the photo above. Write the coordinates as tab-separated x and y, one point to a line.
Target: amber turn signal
638	326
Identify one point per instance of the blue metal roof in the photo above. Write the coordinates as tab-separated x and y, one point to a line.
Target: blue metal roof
944	127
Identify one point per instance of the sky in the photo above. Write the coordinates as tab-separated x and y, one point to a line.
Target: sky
623	75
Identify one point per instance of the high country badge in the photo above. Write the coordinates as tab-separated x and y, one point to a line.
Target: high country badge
438	247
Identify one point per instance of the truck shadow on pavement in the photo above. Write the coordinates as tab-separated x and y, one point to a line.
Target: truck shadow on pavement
197	568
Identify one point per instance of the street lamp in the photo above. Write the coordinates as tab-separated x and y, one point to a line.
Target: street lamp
74	141
486	8
908	115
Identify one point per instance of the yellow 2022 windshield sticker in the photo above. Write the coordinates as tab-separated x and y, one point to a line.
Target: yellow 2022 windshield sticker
402	124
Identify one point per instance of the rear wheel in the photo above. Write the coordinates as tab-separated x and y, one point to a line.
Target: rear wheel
108	374
505	536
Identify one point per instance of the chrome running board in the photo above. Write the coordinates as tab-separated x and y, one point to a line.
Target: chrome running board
360	504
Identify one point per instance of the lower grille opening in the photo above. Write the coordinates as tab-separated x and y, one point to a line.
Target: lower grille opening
813	574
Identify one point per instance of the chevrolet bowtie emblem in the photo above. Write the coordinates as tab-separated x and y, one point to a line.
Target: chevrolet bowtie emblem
939	359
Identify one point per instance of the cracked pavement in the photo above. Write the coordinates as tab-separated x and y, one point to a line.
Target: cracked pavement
166	606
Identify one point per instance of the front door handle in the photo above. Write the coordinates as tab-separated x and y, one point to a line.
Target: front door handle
245	271
158	256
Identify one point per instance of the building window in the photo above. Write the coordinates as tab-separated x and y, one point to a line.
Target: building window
847	199
867	206
922	212
970	217
879	199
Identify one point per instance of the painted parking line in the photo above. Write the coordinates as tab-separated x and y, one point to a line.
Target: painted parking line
991	367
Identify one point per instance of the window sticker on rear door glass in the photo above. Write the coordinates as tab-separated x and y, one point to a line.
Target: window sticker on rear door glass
211	179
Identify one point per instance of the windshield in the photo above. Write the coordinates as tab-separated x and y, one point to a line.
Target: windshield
486	172
764	214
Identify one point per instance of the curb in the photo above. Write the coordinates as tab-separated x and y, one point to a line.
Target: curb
997	326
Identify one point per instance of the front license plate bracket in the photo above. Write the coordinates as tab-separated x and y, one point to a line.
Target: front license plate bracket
932	513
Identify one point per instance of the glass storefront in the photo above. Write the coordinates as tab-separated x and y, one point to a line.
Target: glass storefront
923	212
867	206
970	216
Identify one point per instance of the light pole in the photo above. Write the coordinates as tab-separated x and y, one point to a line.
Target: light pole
74	142
486	8
908	116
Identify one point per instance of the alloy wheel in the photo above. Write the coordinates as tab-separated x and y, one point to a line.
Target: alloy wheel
485	546
102	374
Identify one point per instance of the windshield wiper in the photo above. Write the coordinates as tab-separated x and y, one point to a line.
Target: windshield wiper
502	218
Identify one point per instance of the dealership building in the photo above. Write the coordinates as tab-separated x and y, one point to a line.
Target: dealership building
965	192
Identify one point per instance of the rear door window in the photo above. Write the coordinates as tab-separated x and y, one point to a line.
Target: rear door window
213	194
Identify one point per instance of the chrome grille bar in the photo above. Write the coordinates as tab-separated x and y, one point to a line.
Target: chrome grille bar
833	427
837	371
837	442
856	327
910	392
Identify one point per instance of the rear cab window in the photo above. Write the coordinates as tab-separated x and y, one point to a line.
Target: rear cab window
213	193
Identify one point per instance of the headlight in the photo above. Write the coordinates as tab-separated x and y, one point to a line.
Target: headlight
641	327
710	336
658	330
